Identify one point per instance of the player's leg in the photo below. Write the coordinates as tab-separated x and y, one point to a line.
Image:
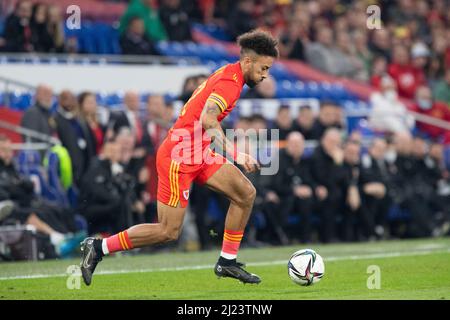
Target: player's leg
230	181
167	229
171	210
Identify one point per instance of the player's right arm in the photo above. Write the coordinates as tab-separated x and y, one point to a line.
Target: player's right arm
211	125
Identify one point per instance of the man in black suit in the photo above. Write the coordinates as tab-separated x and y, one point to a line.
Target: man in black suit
329	177
71	134
295	187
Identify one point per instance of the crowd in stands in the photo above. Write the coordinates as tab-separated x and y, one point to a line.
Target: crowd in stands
409	43
341	189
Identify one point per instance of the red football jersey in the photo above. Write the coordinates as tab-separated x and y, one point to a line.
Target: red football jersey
223	88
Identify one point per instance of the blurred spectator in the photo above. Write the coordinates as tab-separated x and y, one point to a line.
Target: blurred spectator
426	105
264	90
374	182
350	223
130	117
380	44
405	74
388	113
134	40
103	200
329	117
338	59
175	20
196	9
41	39
71	134
406	187
295	187
326	169
17	32
92	129
190	84
143	144
362	54
378	71
419	55
441	90
158	122
55	26
349	64
133	166
240	19
283	122
322	54
38	117
305	122
292	41
55	222
143	8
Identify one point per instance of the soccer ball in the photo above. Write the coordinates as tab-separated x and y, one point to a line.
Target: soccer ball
306	267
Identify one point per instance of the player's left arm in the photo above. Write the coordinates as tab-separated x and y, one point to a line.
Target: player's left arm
209	122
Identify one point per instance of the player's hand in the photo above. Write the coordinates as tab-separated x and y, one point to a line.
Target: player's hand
248	162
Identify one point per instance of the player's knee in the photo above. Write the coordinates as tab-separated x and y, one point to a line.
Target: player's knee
248	195
171	233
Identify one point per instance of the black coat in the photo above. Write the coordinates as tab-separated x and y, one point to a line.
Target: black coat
72	138
97	185
13	186
176	23
326	173
17	36
133	45
290	174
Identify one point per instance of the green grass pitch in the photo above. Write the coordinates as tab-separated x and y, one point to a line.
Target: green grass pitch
413	269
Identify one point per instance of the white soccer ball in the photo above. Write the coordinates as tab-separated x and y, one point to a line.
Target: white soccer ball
306	267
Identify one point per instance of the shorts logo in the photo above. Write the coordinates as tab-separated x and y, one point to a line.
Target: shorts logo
186	194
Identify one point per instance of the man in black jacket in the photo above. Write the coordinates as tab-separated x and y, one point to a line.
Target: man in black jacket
374	181
103	189
295	187
38	117
329	177
175	20
18	33
406	188
71	134
134	40
329	117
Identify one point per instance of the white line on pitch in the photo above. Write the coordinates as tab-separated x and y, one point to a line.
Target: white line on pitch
263	263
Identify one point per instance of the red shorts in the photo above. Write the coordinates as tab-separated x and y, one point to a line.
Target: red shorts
175	177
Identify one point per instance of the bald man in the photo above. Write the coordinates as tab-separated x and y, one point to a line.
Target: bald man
295	187
329	177
38	117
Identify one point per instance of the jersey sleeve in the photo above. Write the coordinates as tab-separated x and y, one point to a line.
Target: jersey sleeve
224	93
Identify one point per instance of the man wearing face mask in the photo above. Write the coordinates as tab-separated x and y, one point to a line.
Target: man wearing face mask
388	112
426	105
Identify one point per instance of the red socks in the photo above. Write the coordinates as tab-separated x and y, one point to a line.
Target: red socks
231	243
117	242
